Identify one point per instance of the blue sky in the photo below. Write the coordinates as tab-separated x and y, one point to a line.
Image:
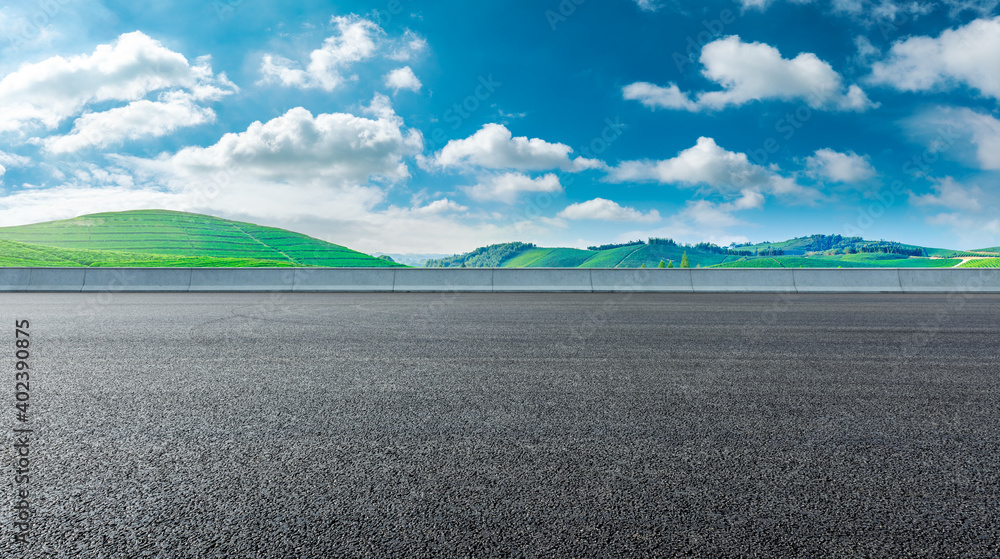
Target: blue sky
436	127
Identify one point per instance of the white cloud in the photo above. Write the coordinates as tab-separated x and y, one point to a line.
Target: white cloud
755	4
648	5
866	50
756	71
402	78
508	186
443	205
356	40
13	160
494	147
48	92
968	134
968	55
974	231
753	72
835	166
295	164
409	46
867	11
952	195
606	210
63	202
657	97
138	119
708	165
705	220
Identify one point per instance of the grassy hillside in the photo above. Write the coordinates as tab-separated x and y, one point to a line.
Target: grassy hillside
167	238
548	258
816	251
982	263
23	254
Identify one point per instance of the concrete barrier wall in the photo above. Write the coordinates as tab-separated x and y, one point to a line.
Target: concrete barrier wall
137	279
641	280
739	280
343	279
242	279
949	280
542	279
14	279
470	280
847	280
55	279
743	280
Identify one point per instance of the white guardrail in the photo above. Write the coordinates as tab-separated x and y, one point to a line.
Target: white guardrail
496	280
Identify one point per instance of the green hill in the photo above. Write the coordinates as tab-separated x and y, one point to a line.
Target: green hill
815	251
168	238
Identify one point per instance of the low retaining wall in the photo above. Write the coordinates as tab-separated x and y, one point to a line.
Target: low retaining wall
503	280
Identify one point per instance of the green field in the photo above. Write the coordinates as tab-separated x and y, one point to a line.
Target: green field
982	263
834	262
836	252
147	238
548	258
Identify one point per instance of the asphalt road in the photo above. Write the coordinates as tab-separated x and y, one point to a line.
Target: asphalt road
563	425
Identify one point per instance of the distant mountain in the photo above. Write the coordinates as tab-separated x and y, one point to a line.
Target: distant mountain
168	238
812	251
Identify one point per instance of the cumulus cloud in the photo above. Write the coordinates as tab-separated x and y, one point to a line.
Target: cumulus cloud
47	93
409	46
13	160
968	55
494	147
648	5
324	163
508	186
848	167
402	78
356	40
657	97
753	72
441	206
138	119
950	194
867	11
706	220
601	209
708	165
720	215
967	134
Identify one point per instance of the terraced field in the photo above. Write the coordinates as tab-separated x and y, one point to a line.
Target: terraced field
14	254
842	262
982	263
167	238
549	258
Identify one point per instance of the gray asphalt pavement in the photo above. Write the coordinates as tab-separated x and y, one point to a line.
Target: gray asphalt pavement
556	425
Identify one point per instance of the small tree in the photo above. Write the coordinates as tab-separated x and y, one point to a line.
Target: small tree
662	264
643	265
671	265
684	260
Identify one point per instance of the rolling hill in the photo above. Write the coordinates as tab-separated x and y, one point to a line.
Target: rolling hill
815	251
171	239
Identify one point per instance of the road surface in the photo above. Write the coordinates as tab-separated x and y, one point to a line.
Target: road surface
534	425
